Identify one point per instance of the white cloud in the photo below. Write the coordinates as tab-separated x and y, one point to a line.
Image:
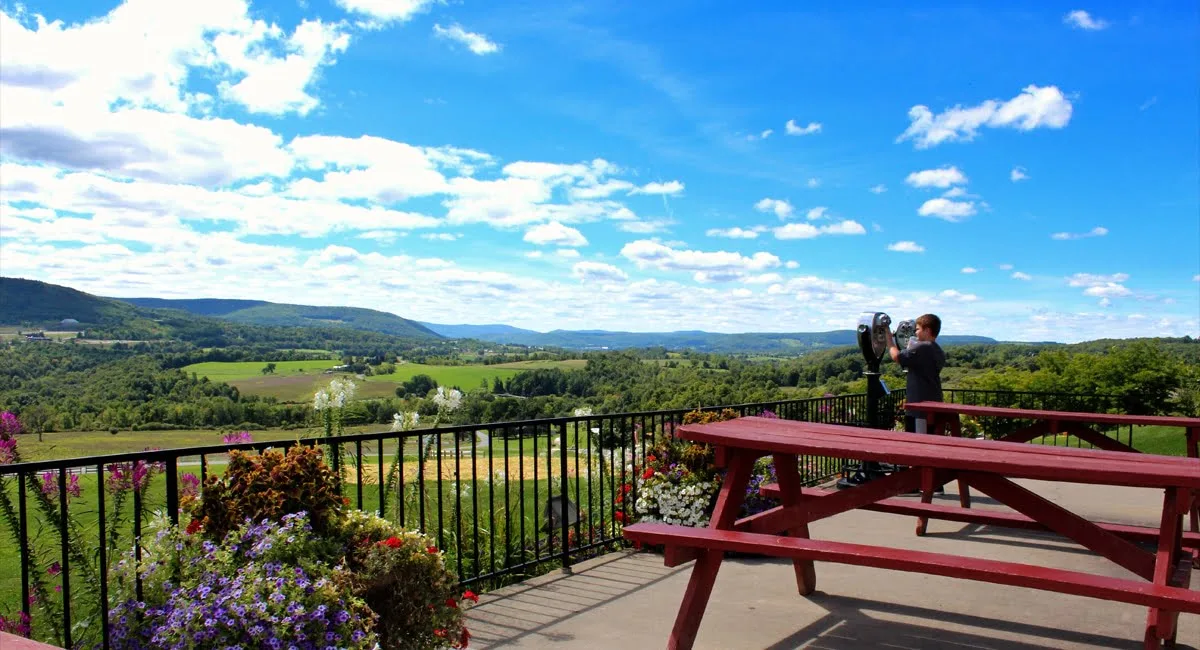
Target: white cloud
1080	19
1018	174
477	43
1017	275
941	177
809	231
440	236
957	296
735	232
1004	267
1098	231
645	227
906	247
598	272
766	133
952	211
534	255
715	266
385	11
956	193
1035	107
795	129
969	269
780	207
567	253
818	212
556	234
792	264
878	189
670	187
813	183
1096	280
1148	103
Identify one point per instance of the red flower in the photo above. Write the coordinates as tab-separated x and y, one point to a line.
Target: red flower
626	488
391	542
650	458
193	526
470	595
432	550
440	633
450	603
647	474
464	638
619	516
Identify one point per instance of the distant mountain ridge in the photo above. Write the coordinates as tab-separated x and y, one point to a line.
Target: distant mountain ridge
261	312
787	342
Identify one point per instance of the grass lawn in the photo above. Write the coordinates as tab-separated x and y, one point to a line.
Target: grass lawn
234	370
1165	441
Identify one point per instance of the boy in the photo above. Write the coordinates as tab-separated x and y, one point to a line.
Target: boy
924	360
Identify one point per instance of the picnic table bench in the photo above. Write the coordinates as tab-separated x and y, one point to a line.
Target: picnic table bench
943	418
1160	579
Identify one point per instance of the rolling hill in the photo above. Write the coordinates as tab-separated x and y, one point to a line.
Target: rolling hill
261	312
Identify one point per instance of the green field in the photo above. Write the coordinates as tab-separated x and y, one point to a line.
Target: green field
297	381
234	370
1165	441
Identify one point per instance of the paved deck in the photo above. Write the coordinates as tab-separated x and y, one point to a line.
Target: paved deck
628	600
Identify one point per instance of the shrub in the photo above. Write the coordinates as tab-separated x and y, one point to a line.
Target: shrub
268	584
268	486
402	578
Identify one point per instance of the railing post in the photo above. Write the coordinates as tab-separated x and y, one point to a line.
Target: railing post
563	523
173	489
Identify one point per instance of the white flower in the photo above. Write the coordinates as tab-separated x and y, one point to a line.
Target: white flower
583	411
340	392
448	401
321	400
405	421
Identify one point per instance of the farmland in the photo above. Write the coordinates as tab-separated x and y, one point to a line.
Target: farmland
296	381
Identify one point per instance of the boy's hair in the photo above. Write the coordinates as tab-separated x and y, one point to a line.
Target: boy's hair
931	323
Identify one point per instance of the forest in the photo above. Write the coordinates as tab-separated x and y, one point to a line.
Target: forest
74	386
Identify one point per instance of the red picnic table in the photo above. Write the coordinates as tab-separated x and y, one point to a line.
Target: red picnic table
943	418
1160	578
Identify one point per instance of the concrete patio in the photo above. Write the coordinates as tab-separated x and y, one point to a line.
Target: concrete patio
629	599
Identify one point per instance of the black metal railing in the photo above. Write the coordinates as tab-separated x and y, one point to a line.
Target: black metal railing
497	498
1043	401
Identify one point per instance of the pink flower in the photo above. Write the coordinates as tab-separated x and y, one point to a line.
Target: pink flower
50	484
9	425
237	438
189	485
54	569
8	450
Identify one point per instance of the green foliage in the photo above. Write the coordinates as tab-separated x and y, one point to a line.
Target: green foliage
402	577
268	486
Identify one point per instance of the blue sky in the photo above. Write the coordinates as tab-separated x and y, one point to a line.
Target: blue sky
1027	171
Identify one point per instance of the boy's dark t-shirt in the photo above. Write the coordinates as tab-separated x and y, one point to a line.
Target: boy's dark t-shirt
924	361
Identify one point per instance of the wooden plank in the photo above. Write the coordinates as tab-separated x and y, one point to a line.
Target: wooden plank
1001	518
975	443
793	498
1007	459
1136	592
1062	416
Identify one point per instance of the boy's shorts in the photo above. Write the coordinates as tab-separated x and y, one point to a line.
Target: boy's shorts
914	424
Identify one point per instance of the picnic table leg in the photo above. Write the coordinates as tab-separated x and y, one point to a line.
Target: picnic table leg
704	572
1161	625
790	493
926	497
1193	451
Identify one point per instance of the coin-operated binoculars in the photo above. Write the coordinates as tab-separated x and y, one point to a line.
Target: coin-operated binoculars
872	340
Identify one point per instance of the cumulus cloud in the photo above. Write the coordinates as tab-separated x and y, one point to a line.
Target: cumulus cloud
714	266
1017	275
1080	19
385	11
598	272
1098	231
878	189
477	43
942	208
556	234
957	296
1018	174
906	247
1036	107
1100	285
795	129
813	183
941	177
735	232
969	269
818	212
780	207
809	231
670	188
